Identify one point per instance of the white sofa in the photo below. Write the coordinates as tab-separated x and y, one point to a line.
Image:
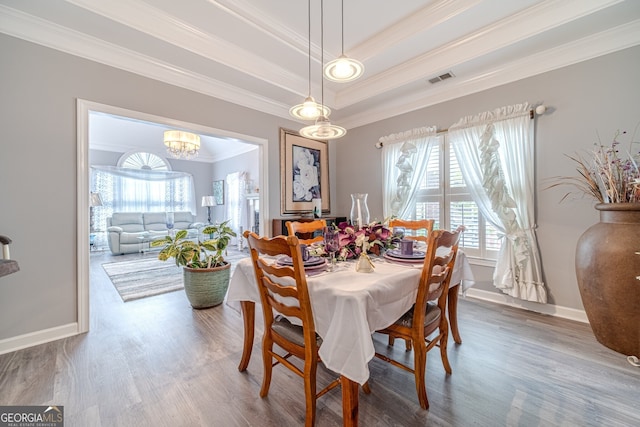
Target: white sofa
129	232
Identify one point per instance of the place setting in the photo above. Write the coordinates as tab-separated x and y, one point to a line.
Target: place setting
405	253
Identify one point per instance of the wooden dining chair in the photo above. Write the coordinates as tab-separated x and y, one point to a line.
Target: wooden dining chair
420	228
307	231
283	292
428	313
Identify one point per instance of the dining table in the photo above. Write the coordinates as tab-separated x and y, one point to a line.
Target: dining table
348	307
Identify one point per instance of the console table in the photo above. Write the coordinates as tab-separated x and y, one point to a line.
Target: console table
279	227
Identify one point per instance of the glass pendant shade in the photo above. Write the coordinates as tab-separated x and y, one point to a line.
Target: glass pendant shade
309	110
323	129
343	69
181	144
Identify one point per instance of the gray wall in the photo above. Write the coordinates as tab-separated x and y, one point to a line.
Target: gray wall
588	99
40	86
39	89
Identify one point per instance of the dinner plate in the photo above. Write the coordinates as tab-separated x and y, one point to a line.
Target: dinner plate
395	253
404	260
311	262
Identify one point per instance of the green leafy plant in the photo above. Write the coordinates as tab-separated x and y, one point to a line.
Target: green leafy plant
200	254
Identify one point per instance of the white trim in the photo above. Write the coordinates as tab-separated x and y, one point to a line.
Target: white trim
45	33
549	309
596	45
31	339
82	168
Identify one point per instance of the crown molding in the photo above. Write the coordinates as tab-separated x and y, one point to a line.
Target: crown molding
45	33
525	24
420	21
167	28
593	46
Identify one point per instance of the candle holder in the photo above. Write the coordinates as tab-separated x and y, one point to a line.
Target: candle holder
359	210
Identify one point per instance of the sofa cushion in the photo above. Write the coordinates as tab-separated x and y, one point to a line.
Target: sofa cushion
130	222
183	220
155	221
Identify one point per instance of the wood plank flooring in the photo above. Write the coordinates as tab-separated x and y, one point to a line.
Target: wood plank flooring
158	362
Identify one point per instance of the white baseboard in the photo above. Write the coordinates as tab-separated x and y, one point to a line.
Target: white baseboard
553	310
39	337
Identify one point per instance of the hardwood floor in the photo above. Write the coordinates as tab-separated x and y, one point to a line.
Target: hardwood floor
158	362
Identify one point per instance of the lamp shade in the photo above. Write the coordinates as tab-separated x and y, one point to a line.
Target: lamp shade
208	201
95	200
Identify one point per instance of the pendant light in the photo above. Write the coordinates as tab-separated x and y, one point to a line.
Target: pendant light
343	69
309	109
323	129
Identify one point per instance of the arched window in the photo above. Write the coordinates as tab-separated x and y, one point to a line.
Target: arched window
142	182
145	161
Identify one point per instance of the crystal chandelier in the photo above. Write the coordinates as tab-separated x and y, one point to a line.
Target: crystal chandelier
181	144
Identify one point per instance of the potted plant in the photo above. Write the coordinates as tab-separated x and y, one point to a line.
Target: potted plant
205	272
608	253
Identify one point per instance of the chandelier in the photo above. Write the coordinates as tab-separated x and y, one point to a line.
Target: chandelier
343	69
322	129
309	109
181	144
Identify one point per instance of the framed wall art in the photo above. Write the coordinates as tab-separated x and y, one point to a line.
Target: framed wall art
304	173
218	192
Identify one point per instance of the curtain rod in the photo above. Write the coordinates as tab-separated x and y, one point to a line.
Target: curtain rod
539	110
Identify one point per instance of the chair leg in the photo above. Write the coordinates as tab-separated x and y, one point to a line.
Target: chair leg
366	388
407	344
267	348
310	369
420	364
392	341
443	347
452	303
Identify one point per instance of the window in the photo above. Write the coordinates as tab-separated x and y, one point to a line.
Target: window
142	182
444	197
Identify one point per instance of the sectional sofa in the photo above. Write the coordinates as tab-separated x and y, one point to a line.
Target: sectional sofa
129	232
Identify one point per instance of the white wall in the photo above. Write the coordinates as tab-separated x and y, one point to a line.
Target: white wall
586	99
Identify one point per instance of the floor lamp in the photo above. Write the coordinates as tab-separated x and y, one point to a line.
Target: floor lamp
209	202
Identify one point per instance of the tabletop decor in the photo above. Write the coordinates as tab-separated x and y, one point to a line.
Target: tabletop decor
607	266
372	238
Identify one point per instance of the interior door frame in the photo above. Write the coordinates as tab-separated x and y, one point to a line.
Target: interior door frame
83	110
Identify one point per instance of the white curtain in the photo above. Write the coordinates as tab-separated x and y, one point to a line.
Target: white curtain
236	201
140	190
496	152
404	163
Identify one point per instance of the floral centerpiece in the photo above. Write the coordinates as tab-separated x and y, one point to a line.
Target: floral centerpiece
606	174
370	239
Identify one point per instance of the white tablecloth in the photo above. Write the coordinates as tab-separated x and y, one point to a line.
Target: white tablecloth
349	306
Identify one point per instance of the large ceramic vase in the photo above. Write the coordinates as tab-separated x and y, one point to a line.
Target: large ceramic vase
608	272
206	287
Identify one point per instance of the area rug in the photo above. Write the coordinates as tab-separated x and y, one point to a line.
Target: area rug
147	276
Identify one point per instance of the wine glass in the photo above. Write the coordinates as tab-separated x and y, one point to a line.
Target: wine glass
169	220
331	244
